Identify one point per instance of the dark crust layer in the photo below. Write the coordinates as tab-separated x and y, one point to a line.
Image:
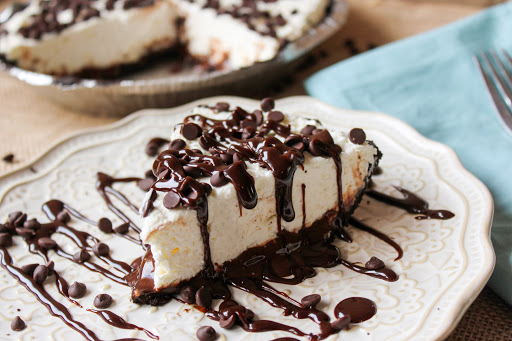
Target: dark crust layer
157	298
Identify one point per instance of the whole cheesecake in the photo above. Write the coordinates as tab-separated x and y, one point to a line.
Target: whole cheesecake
234	180
95	38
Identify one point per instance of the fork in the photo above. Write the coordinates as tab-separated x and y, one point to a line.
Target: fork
497	74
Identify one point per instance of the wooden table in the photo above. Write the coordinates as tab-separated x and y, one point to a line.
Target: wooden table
29	124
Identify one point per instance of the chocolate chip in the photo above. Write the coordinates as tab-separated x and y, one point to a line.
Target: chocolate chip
299	146
171	200
357	136
237	157
77	290
222	106
18	324
8	158
51	268
311	301
102	301
248	123
204	297
307	130
101	249
207	188
375	264
276	116
206	333
227	158
248	314
105	225
145	184
32	224
20	220
188	295
3	227
152	149
218	179
341	323
317	131
122	229
29	268
5	239
315	148
227	322
25	233
267	104
177	144
258	115
147	208
13	216
81	256
40	273
191	131
192	171
47	243
63	217
149	174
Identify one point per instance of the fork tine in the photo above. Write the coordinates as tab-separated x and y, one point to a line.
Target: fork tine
505	76
493	86
509	61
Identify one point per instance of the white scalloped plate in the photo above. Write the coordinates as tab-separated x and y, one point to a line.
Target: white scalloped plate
445	263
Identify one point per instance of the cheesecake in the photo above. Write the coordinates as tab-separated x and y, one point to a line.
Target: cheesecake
94	38
234	180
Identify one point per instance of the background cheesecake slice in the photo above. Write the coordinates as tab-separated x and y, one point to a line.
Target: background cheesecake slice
235	156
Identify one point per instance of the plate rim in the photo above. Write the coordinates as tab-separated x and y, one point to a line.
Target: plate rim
465	298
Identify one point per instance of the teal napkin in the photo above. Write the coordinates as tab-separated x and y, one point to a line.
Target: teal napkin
431	82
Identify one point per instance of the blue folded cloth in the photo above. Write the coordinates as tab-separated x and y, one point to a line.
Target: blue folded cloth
431	82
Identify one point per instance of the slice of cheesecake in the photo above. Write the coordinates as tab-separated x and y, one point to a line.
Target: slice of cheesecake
232	180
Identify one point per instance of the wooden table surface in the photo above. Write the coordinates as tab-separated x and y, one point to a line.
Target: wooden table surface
29	123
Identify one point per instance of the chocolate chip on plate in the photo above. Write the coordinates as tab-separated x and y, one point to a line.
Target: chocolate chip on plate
275	116
311	301
171	200
105	225
47	243
29	268
188	294
191	131
40	273
5	239
206	333
267	104
122	229
204	297
101	249
102	301
77	290
222	106
81	256
375	264
18	324
357	136
63	217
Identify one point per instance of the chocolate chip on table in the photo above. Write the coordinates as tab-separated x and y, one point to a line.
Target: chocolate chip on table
357	136
177	144
29	268
145	184
122	229
222	106
171	200
32	224
81	256
206	333
311	301
101	249
47	243
341	323
191	131
9	158
63	217
374	264
5	240
267	104
102	301
105	225
204	297
227	322
77	290
40	273
18	324
188	295
275	116
218	179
